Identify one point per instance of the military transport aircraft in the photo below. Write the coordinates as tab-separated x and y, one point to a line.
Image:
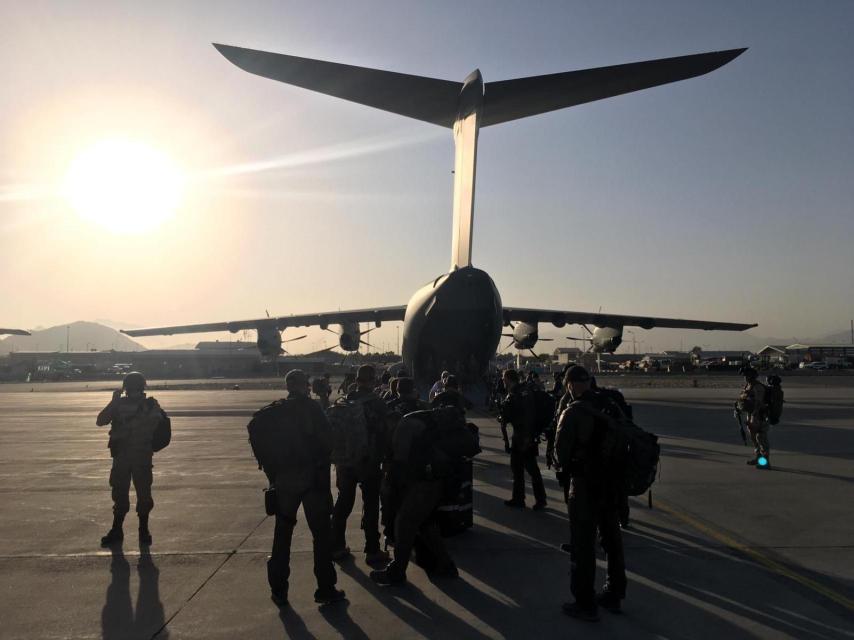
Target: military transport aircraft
13	332
455	321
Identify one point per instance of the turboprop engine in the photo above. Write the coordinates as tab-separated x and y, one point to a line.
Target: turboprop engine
606	339
525	335
350	337
269	341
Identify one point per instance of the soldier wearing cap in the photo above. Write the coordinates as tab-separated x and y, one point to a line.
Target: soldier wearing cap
752	402
133	418
593	503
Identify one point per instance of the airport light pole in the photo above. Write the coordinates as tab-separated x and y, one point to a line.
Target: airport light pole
634	342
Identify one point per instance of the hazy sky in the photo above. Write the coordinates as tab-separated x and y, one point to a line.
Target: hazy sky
726	197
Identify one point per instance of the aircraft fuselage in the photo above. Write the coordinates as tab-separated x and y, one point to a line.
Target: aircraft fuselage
453	323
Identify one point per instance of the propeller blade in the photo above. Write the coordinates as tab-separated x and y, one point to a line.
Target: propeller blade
507	335
294	339
330	330
507	347
364	333
367	344
546	339
314	353
587	329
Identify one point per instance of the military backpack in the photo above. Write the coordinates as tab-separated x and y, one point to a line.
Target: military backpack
628	454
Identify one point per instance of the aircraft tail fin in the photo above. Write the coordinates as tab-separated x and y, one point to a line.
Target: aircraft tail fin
427	99
522	97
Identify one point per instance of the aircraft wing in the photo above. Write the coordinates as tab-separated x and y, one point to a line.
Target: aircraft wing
516	314
13	332
378	314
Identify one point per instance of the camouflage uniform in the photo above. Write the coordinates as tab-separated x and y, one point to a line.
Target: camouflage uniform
752	402
133	421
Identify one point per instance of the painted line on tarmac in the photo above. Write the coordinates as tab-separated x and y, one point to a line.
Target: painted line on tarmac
756	555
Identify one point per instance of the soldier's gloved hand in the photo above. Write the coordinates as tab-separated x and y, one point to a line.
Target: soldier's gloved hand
117	394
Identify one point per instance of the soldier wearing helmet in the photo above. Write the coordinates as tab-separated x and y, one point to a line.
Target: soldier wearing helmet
753	403
133	419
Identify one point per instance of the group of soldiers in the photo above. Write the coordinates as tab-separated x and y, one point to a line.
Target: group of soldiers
298	471
591	489
413	485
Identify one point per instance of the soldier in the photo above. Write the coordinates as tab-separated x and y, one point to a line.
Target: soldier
365	473
407	399
593	502
425	450
616	401
300	476
133	419
519	410
451	396
321	388
752	402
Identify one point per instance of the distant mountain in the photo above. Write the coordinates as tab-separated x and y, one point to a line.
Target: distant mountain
841	337
77	336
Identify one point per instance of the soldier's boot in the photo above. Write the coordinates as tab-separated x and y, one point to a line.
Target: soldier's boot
752	462
328	595
389	576
144	533
115	535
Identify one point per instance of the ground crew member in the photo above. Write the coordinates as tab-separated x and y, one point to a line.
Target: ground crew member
752	402
367	475
438	386
132	419
302	478
593	500
518	410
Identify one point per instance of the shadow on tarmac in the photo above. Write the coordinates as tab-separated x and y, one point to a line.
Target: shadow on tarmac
410	604
715	591
119	619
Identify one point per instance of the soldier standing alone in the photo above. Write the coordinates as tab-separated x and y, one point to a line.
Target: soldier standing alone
133	419
752	401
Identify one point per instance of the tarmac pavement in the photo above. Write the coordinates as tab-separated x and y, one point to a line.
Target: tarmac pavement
726	551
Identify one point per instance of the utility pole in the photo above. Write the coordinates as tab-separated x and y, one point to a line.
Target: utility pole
67	338
852	332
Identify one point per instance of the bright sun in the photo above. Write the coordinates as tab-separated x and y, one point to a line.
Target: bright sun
123	185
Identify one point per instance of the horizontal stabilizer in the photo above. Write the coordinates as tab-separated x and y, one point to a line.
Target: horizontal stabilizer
512	99
426	99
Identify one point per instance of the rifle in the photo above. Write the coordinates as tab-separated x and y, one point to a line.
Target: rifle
736	412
